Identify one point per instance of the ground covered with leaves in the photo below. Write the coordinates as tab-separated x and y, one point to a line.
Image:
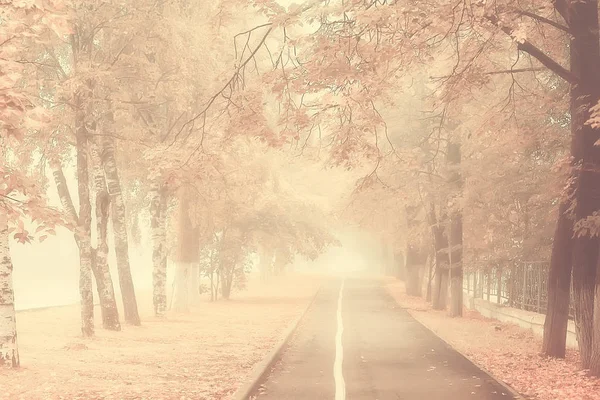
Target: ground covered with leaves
205	354
509	352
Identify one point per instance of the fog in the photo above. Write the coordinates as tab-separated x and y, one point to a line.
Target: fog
272	200
46	274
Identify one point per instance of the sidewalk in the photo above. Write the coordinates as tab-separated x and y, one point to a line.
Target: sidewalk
507	351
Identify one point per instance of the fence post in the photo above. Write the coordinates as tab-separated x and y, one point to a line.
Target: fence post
499	277
468	276
489	283
475	283
539	290
524	286
511	285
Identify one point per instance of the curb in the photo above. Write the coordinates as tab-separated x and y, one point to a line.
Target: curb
263	368
506	386
44	308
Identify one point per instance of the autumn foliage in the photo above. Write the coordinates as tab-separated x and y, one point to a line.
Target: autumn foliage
469	131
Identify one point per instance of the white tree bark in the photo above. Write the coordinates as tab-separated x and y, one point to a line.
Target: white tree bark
9	351
104	283
186	253
99	263
111	172
84	224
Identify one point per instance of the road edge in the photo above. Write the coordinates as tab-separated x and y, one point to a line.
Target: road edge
263	367
509	389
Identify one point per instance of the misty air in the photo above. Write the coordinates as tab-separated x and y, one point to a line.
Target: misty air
299	200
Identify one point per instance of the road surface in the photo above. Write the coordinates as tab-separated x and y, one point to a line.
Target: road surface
383	354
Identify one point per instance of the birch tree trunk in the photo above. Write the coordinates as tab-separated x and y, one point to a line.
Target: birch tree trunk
9	351
63	193
187	252
158	210
104	283
119	230
84	224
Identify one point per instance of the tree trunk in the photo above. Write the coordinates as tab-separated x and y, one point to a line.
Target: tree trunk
9	350
84	224
440	289
456	271
214	277
390	269
180	295
217	285
193	284
104	283
265	262
585	61
120	231
384	267
430	272
455	235
440	284
279	262
439	293
227	282
415	256
212	286
400	266
559	287
63	192
158	210
413	266
187	251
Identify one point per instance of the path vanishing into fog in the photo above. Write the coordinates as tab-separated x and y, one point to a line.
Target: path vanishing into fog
355	343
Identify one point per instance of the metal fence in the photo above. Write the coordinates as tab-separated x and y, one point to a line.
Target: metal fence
523	286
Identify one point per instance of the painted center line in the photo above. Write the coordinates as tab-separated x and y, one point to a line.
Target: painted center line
340	385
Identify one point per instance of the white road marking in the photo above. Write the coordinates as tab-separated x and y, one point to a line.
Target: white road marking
340	385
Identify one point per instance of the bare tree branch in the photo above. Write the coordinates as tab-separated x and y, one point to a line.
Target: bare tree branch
504	71
228	85
529	48
545	20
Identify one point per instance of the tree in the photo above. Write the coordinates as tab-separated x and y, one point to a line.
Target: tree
474	34
158	211
22	205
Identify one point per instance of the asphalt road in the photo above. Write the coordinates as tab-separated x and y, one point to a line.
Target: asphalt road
385	354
